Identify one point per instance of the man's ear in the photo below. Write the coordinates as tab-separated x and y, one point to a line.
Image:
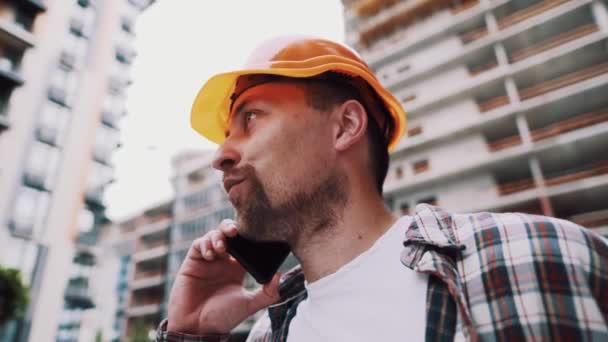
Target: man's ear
351	124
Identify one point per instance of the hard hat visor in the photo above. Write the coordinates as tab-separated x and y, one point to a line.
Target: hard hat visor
211	108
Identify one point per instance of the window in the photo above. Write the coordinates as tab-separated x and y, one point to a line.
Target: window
432	200
106	140
29	211
62	87
86	221
126	25
403	68
408	98
421	166
24	18
414	131
41	166
21	255
100	176
398	172
52	124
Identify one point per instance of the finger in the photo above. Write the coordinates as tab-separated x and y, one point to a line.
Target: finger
206	248
228	227
265	296
217	241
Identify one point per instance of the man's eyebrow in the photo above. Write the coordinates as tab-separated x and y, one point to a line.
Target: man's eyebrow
239	108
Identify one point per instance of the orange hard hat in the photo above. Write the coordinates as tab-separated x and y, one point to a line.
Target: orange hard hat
289	56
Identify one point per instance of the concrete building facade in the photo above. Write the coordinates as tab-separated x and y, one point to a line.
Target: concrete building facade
60	128
506	100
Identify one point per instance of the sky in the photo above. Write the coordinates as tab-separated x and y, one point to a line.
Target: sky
180	44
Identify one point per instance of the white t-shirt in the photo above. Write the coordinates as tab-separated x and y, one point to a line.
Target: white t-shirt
372	298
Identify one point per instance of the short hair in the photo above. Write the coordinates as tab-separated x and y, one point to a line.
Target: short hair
330	89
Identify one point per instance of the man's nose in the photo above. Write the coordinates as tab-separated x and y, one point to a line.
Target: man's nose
226	157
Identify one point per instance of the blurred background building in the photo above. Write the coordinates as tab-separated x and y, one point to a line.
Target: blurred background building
136	253
64	66
506	99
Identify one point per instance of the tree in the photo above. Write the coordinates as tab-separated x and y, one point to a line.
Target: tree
140	331
14	295
99	336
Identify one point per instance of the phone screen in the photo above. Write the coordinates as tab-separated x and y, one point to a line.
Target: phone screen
261	259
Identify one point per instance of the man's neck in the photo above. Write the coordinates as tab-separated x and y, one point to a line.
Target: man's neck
360	224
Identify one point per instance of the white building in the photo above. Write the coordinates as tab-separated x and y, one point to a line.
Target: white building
506	100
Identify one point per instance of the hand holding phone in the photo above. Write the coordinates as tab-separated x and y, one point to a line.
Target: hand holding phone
261	259
208	296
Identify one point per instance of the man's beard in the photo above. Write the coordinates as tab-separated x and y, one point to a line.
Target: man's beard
306	212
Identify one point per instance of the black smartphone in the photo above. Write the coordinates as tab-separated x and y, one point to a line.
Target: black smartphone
261	259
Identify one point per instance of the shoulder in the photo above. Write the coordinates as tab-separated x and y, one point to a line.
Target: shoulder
535	235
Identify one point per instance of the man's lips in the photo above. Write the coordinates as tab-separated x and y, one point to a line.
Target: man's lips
229	182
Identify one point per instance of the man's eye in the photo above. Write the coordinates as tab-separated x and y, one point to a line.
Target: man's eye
250	116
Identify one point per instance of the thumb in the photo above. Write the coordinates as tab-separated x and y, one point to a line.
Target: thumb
267	295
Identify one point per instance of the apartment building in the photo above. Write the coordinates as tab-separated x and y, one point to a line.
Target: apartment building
506	99
60	124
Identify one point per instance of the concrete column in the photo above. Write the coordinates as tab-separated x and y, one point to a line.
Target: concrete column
539	181
491	23
600	13
511	90
501	54
524	129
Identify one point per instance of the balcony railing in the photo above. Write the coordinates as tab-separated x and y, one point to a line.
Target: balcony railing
501	144
553	42
473	35
463	6
493	103
564	126
478	69
148	274
145	246
79	296
563	81
591	170
592	219
408	13
508	188
528	12
574	123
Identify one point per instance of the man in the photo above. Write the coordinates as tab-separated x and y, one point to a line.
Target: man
305	132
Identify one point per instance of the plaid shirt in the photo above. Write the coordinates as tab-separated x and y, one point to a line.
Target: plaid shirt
493	277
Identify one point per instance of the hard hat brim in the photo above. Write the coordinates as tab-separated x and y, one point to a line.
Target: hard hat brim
210	110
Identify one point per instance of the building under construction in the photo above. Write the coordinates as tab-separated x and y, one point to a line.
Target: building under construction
506	100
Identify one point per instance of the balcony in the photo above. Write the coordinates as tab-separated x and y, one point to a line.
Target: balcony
146	279
67	60
563	81
152	251
527	13
36	179
586	171
8	72
553	42
35	6
591	219
78	295
145	307
571	124
463	6
16	35
94	198
48	134
473	35
58	95
406	13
